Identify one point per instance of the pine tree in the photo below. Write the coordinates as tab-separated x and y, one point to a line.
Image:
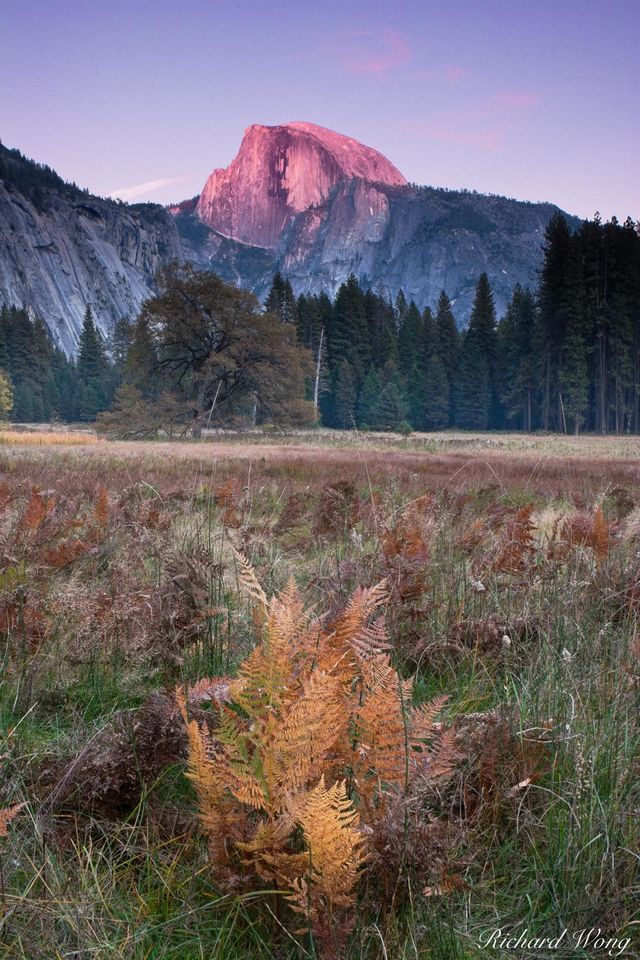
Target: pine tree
368	398
390	409
573	382
482	332
381	323
348	333
345	394
93	363
4	353
23	403
436	395
447	346
94	372
411	339
473	389
281	300
518	350
553	321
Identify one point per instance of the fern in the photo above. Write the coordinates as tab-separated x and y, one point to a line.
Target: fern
7	815
316	706
334	844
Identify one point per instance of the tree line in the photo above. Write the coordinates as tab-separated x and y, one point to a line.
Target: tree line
44	383
565	357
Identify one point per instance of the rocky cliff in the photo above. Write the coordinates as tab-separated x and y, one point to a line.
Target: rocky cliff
62	249
319	206
280	172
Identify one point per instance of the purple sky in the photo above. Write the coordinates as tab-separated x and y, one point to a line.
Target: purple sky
536	100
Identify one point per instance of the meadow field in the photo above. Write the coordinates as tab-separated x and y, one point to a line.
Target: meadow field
453	644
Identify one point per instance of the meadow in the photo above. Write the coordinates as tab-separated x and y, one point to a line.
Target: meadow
506	666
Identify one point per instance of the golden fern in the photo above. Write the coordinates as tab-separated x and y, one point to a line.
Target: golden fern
380	723
310	731
315	706
335	846
7	815
249	581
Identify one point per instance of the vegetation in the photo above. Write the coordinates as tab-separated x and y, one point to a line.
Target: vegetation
45	384
329	809
564	358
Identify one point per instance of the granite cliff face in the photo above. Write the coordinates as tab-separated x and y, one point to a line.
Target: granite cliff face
319	206
61	249
280	172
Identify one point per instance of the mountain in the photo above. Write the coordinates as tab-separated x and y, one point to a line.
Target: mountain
61	249
297	198
319	206
280	172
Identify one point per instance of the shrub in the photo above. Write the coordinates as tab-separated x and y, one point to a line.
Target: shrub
404	428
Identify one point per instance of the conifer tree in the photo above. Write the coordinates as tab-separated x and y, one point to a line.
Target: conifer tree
4	353
473	389
446	346
281	300
368	398
348	333
411	339
94	373
482	332
573	382
390	409
552	297
519	350
436	395
382	329
345	394
93	363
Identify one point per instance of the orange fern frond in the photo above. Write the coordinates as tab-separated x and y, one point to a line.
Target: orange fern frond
101	509
308	733
381	726
423	718
600	536
7	815
335	845
443	756
36	511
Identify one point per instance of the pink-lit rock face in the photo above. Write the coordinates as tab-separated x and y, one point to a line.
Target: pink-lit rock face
282	171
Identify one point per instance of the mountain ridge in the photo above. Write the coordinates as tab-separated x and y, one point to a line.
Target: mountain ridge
62	248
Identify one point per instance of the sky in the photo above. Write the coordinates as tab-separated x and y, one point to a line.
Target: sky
535	100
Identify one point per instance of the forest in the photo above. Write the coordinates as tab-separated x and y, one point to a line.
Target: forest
565	357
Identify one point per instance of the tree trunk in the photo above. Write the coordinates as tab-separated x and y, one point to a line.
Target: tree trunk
316	385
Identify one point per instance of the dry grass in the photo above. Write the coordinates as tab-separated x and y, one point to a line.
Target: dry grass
515	590
53	438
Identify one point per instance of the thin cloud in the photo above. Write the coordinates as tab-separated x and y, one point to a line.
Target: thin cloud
518	100
455	74
141	189
374	52
488	139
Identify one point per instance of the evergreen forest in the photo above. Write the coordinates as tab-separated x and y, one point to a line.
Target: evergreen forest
565	357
